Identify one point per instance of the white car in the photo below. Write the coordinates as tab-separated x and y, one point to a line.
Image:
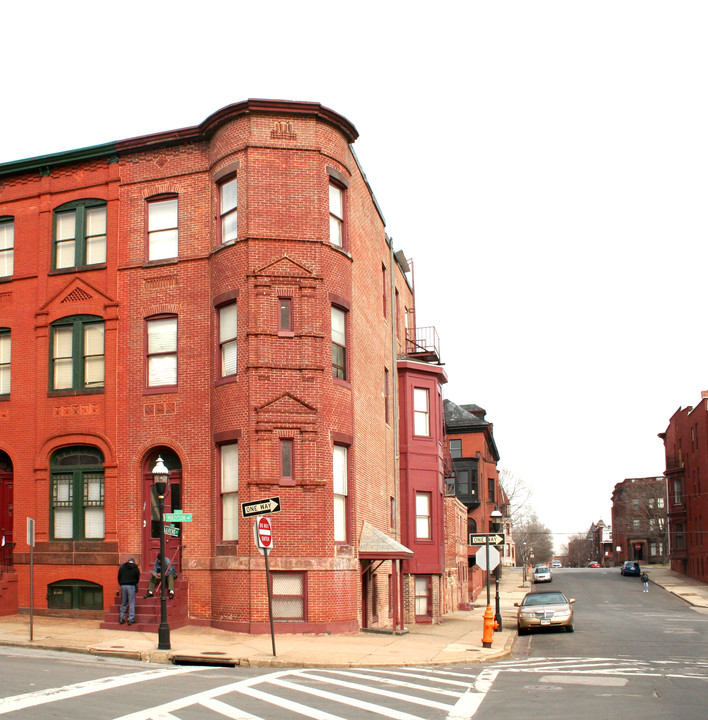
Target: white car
556	564
542	573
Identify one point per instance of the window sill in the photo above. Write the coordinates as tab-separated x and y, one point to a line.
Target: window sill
76	393
342	383
76	269
286	482
164	389
286	334
161	261
226	380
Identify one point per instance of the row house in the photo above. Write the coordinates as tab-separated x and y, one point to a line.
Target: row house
639	520
224	297
686	450
475	482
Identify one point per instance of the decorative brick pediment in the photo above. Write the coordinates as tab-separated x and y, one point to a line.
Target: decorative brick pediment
78	296
284	266
285	411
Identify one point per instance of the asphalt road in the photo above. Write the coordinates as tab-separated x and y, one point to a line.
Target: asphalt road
633	654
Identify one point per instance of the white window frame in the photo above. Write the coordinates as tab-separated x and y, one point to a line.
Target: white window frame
423	516
162	228
228	457
336	215
5	361
421	412
228	339
7	246
340	488
228	209
161	351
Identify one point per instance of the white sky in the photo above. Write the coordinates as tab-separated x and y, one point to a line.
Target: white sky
544	164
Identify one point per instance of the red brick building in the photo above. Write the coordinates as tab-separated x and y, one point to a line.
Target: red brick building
225	297
474	452
639	521
686	447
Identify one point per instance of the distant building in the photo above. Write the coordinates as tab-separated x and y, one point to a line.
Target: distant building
476	479
639	520
686	445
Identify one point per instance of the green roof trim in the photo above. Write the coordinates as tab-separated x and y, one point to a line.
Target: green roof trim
42	162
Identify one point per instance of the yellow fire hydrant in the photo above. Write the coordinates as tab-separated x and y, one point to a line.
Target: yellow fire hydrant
490	625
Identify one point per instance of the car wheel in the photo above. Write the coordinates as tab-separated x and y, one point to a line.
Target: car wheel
569	628
523	631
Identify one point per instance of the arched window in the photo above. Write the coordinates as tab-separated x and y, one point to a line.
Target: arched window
77	494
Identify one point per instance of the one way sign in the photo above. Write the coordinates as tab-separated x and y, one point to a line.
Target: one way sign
260	507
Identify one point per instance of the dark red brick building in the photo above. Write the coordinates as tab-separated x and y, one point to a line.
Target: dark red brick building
225	297
686	447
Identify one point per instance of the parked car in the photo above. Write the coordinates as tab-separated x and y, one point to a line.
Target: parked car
630	567
556	564
545	609
542	573
594	564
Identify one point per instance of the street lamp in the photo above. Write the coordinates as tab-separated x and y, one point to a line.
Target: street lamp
496	517
160	478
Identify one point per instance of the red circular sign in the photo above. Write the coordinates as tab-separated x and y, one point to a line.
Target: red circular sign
264	533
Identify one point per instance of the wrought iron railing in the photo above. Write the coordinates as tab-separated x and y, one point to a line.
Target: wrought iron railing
423	342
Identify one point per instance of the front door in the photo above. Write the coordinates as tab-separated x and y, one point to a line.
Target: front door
6	500
151	514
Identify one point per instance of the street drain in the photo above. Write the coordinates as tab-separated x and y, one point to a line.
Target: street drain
209	659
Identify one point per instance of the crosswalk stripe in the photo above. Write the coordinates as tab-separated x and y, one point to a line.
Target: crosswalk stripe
467	706
41	697
397	683
431	676
227	710
373	691
352	702
289	704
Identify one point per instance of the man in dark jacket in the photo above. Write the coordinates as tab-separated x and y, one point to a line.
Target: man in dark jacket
128	579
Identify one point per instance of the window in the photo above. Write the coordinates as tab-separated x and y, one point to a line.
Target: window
456	448
80	234
77	354
423	528
422	596
228	209
393	512
336	215
162	229
384	292
340	473
660	502
285	315
387	396
228	332
635	524
77	490
421	412
5	348
339	343
678	491
162	351
490	489
74	595
229	491
287	476
288	595
7	245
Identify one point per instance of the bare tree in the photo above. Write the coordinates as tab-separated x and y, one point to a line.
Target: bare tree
579	550
532	533
518	495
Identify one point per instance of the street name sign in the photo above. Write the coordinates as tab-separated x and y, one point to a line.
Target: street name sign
492	538
260	507
171	530
178	516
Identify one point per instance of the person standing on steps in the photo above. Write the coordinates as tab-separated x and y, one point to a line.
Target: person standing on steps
645	581
156	578
128	579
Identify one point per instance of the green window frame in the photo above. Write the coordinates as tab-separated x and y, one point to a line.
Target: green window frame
79	234
77	354
5	355
77	494
74	595
7	246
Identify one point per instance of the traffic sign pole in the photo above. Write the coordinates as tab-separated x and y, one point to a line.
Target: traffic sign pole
263	532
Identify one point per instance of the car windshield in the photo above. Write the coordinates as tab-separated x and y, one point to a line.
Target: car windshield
545	599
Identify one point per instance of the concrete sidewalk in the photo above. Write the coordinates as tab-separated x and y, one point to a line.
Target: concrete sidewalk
458	639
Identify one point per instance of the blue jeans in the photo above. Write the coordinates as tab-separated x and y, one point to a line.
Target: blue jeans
127	599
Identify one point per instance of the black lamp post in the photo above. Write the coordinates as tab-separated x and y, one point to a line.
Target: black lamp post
160	477
496	517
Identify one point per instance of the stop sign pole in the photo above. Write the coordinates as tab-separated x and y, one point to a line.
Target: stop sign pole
264	540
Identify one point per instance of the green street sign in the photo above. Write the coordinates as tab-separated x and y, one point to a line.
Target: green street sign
178	517
171	530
